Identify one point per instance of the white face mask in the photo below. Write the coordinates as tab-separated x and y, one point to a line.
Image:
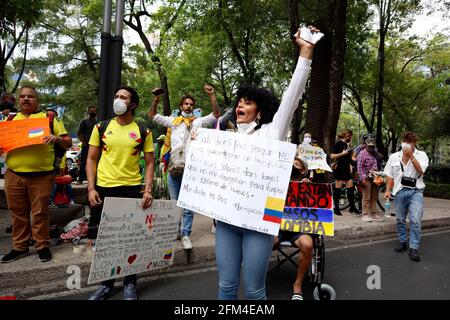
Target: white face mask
186	115
246	128
406	146
119	107
307	140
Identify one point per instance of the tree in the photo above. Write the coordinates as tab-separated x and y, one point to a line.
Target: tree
16	19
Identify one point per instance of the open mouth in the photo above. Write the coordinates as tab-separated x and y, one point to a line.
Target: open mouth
240	112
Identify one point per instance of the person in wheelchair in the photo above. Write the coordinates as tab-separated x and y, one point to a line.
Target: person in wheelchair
303	241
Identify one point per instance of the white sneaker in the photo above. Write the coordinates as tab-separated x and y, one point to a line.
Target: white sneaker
366	218
376	217
187	244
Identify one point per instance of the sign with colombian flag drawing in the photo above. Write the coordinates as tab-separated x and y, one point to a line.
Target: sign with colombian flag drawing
309	209
21	133
238	179
131	240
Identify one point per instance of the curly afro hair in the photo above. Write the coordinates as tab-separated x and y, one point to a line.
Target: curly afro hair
266	102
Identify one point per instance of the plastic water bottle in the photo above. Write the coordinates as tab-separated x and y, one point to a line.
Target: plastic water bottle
387	208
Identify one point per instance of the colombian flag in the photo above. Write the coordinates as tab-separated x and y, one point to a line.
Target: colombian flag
35	132
168	254
273	210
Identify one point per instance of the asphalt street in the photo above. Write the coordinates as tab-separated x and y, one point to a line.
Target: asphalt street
349	269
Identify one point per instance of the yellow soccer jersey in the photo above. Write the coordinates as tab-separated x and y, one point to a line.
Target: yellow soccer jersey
38	157
119	162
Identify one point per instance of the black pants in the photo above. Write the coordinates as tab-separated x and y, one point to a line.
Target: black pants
83	159
96	214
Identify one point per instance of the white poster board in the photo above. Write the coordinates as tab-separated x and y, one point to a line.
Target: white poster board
131	240
238	179
314	156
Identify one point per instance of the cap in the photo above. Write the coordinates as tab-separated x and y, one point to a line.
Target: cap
370	142
161	137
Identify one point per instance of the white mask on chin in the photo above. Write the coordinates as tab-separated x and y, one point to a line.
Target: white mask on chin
186	115
246	128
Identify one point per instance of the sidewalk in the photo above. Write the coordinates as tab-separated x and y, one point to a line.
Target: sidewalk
27	275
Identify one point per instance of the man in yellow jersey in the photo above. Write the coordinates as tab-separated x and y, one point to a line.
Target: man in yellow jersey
120	141
29	180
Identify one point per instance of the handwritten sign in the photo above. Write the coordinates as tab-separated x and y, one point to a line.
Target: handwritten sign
314	156
238	179
21	133
309	209
131	240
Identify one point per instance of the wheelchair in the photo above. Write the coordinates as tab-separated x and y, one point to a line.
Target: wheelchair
322	291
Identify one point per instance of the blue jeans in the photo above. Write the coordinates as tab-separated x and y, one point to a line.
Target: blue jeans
409	200
174	183
236	246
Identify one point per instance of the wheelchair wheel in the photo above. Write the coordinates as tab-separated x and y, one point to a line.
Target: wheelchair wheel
327	292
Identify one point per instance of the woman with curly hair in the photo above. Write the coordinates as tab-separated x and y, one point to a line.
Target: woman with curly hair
257	111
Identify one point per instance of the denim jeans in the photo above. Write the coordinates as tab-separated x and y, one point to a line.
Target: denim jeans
409	201
236	246
174	183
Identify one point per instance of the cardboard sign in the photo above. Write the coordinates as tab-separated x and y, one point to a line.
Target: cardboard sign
238	179
309	209
314	156
21	133
131	240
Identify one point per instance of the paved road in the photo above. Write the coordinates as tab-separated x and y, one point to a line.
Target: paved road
346	271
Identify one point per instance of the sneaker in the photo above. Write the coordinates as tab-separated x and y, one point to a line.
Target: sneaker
102	293
44	255
14	255
366	218
187	244
79	231
414	255
129	292
354	210
297	296
375	217
402	247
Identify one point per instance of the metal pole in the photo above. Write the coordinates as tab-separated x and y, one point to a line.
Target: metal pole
104	92
116	51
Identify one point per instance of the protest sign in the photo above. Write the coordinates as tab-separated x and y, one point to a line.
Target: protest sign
21	133
314	156
131	240
309	209
238	179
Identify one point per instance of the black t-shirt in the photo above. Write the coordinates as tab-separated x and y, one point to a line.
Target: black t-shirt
344	162
86	127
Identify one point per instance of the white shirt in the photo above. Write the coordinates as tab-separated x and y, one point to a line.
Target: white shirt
279	127
394	170
180	135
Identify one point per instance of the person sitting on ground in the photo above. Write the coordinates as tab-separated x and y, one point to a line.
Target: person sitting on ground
303	241
178	138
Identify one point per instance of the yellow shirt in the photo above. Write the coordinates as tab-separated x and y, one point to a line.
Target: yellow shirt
38	157
119	162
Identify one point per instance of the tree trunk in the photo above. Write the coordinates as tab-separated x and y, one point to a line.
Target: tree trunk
336	72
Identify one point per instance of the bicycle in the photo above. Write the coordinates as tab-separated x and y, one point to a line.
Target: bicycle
343	200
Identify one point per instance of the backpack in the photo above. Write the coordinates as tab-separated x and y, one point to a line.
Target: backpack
59	150
104	125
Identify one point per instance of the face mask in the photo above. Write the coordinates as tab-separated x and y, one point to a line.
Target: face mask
296	173
307	140
119	107
92	114
406	146
371	150
186	115
246	128
9	105
348	140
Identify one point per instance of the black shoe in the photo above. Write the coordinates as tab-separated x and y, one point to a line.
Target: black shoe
102	293
337	212
414	255
13	255
354	210
8	229
402	247
44	255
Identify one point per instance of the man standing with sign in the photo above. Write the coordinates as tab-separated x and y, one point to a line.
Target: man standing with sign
178	138
120	141
258	112
29	181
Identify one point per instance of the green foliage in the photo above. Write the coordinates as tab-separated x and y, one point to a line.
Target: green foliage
433	190
438	173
